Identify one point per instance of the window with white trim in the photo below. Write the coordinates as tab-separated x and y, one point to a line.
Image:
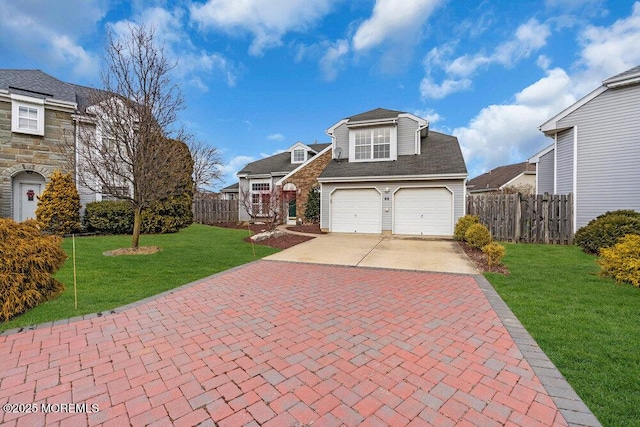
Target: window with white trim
260	198
373	144
27	118
299	155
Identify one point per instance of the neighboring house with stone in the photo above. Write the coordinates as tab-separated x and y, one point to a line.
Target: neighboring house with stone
283	174
389	173
520	177
596	150
40	119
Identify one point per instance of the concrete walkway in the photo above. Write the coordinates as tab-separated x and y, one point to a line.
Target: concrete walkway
290	344
375	250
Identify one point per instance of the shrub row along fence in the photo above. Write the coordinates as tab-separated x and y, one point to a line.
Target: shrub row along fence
209	211
542	218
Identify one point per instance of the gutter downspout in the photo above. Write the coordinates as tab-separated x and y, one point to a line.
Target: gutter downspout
417	143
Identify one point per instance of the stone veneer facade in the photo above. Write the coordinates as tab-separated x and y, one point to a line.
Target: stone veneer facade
305	179
39	154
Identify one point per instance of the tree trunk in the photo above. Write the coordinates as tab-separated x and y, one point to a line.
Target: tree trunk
137	219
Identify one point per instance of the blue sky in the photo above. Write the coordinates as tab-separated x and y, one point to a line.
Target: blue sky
259	75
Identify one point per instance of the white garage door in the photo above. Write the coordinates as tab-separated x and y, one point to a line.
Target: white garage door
356	211
423	211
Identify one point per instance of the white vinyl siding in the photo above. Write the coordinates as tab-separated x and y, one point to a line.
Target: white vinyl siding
544	173
564	177
341	135
407	136
608	174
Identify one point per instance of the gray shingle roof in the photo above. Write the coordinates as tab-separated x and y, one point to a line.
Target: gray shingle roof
440	155
375	114
38	84
233	188
630	73
496	178
277	163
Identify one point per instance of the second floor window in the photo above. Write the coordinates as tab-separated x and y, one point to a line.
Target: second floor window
371	144
298	155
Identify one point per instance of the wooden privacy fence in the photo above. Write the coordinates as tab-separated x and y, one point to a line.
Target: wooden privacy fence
210	211
542	218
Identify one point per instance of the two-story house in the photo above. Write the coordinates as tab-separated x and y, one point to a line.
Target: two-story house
390	174
596	150
40	121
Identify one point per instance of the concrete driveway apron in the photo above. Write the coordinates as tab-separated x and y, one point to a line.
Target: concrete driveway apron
374	250
283	344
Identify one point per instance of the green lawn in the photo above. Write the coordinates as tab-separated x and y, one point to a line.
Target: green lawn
107	282
588	326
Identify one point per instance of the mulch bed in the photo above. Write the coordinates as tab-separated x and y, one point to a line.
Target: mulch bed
307	228
283	242
479	259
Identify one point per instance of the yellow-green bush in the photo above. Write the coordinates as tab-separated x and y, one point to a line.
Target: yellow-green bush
58	209
477	235
622	260
28	260
495	252
463	225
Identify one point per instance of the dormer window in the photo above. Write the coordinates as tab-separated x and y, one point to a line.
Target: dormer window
27	117
299	155
372	144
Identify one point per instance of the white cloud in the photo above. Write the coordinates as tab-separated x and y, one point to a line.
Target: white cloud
528	38
432	90
607	51
51	32
393	19
276	137
260	18
231	168
508	133
431	115
333	59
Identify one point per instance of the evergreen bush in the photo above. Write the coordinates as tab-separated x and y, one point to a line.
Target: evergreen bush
478	236
463	225
58	210
109	217
168	215
312	209
605	230
28	260
495	252
622	260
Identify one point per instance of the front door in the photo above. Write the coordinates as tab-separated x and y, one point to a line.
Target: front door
292	208
28	195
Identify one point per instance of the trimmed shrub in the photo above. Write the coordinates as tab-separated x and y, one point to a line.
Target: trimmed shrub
28	260
605	230
622	260
167	216
58	209
477	235
495	252
109	217
312	209
463	225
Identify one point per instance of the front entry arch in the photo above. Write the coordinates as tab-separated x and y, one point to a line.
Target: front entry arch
26	187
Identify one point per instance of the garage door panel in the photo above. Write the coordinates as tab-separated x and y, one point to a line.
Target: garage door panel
356	211
423	211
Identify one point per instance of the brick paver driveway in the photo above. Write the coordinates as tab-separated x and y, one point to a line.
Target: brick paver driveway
278	343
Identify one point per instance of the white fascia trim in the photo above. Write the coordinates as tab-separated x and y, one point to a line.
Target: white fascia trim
421	122
575	176
333	128
551	125
626	82
299	144
394	178
367	123
287	176
536	157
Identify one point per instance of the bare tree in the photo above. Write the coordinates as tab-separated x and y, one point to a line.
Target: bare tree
128	147
268	206
206	160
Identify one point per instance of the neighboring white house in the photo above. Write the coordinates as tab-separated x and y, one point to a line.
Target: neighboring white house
596	150
390	174
518	176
